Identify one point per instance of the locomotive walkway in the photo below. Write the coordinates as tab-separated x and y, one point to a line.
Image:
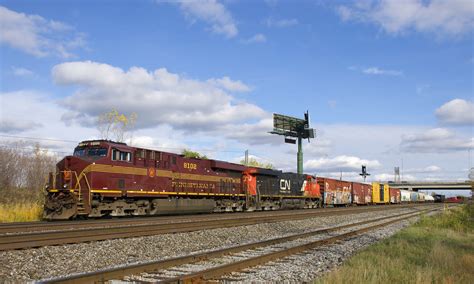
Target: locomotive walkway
195	267
17	236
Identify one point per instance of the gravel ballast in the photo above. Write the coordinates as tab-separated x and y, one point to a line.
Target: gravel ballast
54	261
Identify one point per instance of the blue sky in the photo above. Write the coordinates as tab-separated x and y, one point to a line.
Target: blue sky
384	81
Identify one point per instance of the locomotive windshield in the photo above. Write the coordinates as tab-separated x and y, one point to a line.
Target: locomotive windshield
90	152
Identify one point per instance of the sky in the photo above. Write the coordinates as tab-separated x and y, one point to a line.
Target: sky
387	83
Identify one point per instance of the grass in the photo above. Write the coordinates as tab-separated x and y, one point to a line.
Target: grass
436	249
20	205
20	212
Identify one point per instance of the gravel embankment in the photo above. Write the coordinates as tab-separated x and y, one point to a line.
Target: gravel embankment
307	266
45	262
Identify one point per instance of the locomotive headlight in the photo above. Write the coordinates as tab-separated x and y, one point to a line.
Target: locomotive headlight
65	185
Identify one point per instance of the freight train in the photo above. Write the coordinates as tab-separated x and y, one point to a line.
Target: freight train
106	178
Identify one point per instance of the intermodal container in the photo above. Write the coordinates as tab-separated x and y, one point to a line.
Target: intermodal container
429	198
335	192
453	200
439	198
361	193
380	193
421	196
405	195
395	197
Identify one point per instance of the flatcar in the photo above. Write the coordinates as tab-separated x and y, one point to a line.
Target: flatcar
106	178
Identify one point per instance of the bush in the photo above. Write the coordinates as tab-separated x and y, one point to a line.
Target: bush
23	173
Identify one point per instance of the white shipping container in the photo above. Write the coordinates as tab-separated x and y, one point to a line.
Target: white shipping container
405	195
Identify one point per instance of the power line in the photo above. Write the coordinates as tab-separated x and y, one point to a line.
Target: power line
32	149
37	138
151	148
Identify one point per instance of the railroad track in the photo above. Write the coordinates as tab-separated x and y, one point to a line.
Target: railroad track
25	227
190	268
38	239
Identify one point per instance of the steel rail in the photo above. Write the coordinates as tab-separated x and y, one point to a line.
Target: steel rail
22	241
26	227
219	271
38	239
120	272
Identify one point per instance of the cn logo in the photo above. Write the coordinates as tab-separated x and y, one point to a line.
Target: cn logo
285	185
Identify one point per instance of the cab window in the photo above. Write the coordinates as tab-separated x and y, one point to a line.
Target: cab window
97	152
118	155
90	152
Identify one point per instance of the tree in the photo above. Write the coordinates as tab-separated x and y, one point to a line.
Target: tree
254	163
23	172
116	124
191	154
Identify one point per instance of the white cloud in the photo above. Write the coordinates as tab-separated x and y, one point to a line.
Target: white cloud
422	88
437	140
162	143
261	160
318	146
17	126
447	17
379	71
340	163
38	36
159	97
390	177
141	141
271	3
211	12
35	114
456	112
258	38
373	70
282	23
428	169
14	107
230	85
253	133
21	72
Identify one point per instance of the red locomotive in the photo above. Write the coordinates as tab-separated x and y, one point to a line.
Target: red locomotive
105	178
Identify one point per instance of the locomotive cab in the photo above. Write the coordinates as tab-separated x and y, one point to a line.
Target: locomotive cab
68	189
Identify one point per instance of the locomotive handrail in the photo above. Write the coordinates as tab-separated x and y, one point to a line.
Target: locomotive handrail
78	183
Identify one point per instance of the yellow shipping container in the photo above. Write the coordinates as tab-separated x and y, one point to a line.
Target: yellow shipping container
380	193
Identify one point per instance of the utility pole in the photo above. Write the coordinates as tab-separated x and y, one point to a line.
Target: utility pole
299	158
247	157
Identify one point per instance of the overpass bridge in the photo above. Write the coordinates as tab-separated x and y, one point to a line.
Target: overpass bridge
417	185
